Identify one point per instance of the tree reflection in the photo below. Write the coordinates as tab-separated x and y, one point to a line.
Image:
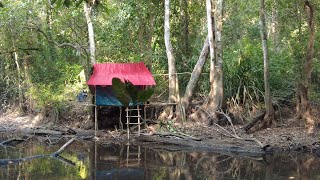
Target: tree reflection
162	164
89	160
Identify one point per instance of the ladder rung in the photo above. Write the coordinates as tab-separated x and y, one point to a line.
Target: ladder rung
134	123
132	109
133	116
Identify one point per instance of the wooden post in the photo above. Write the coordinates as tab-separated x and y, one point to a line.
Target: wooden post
120	122
139	122
95	113
145	115
128	123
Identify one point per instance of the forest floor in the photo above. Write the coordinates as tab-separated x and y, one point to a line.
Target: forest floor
289	136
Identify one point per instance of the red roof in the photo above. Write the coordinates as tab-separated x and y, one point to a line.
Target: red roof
136	73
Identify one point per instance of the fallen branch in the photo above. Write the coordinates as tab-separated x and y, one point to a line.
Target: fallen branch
4	162
6	142
55	155
235	135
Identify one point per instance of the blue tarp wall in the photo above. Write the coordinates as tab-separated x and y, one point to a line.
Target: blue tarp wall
106	97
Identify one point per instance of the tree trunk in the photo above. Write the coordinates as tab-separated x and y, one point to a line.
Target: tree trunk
303	104
268	118
275	26
211	38
209	109
92	47
53	53
15	56
173	78
184	16
195	75
148	60
267	97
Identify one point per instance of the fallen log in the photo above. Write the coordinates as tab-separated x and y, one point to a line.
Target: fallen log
172	144
180	135
42	132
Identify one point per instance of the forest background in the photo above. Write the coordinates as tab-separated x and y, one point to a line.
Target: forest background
46	51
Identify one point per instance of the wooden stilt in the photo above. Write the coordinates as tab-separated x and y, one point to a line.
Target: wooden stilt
139	123
128	123
120	118
145	115
95	114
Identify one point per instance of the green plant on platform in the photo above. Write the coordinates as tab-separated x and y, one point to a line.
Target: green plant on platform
126	92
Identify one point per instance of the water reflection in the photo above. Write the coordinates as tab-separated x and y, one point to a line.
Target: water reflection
87	160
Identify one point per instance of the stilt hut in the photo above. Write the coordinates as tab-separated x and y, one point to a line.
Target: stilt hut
100	83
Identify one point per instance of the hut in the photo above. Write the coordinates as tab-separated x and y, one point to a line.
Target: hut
100	82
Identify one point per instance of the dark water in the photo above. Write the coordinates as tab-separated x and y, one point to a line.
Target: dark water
87	160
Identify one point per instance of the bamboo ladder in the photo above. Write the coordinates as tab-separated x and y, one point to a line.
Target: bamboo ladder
132	157
138	116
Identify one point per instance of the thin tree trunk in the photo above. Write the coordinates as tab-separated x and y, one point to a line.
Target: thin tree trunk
275	26
184	15
267	97
148	60
16	61
195	75
53	53
173	79
303	104
15	56
268	117
92	47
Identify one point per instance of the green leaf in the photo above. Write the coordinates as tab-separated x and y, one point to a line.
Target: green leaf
78	3
59	3
53	1
1	4
67	3
132	91
143	96
119	89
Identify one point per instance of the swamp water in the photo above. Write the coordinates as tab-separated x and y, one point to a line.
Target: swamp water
87	160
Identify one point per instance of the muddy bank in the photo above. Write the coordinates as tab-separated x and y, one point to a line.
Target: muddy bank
187	136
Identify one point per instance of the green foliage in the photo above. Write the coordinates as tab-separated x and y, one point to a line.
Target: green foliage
243	69
120	90
132	31
126	92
